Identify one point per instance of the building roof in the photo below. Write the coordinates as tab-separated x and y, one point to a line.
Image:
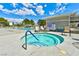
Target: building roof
59	17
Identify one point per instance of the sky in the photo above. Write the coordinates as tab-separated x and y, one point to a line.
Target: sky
17	12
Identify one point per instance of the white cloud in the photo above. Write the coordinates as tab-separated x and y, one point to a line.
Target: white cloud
14	4
76	11
66	3
25	11
40	10
45	5
35	3
59	8
28	5
58	4
9	11
51	12
14	20
1	7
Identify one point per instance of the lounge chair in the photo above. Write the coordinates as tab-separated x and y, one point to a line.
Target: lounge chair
75	39
76	44
63	34
36	28
41	28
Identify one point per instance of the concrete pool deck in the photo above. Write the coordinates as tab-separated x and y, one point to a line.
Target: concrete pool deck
11	45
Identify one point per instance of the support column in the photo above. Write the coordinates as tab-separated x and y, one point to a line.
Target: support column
69	26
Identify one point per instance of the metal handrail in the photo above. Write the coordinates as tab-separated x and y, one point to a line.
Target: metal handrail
25	45
33	35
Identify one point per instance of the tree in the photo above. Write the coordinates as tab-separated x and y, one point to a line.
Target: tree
4	22
42	23
32	22
18	24
25	21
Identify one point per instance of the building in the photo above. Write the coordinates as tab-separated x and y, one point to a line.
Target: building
61	22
